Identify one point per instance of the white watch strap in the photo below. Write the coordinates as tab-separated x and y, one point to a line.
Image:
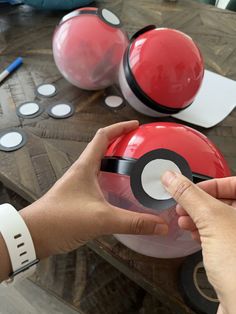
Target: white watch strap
19	243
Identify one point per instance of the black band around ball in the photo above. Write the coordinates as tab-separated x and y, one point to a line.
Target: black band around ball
97	12
134	167
118	165
124	166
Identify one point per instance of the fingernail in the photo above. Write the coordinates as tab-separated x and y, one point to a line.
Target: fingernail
168	177
135	122
161	229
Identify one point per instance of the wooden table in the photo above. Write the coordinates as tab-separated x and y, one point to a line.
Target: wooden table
54	144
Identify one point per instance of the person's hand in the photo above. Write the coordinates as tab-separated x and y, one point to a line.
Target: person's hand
75	211
213	222
223	189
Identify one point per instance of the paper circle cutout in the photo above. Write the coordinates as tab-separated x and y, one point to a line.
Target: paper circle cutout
27	109
11	139
60	111
110	17
46	90
151	178
113	101
136	177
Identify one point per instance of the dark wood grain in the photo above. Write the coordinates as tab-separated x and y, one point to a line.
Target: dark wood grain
54	144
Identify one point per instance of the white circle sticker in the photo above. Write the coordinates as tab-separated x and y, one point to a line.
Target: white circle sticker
29	108
110	17
151	178
113	101
11	139
61	110
46	90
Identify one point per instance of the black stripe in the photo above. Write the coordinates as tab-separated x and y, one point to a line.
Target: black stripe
118	165
200	177
142	31
94	12
124	166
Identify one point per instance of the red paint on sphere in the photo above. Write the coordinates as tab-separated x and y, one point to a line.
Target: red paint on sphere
168	66
202	155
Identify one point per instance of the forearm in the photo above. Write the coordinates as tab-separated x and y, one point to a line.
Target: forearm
37	220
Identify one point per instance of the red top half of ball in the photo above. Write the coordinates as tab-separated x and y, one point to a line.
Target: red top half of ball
167	65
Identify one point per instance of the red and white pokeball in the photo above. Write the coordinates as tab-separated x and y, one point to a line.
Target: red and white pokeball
162	71
163	74
88	45
132	169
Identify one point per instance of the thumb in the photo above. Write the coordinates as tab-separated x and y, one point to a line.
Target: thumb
195	201
128	222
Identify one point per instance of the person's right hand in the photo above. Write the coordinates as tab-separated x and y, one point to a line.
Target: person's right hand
213	222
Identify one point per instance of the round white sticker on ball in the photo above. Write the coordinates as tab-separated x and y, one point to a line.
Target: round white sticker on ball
151	178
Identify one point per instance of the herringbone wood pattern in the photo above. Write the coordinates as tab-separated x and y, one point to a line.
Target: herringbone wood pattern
54	144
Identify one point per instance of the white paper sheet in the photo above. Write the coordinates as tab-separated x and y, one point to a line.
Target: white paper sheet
214	102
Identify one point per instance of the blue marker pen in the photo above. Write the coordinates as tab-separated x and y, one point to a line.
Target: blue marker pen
12	67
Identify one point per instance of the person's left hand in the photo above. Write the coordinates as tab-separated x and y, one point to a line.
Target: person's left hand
75	211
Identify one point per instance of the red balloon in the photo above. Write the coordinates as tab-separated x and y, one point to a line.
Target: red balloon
202	155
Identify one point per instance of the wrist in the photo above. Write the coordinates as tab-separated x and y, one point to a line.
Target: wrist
6	267
36	220
18	258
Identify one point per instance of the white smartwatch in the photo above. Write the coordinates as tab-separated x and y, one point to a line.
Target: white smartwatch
19	244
